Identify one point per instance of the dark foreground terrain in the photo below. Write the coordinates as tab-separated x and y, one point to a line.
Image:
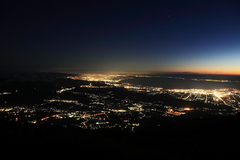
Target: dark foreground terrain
29	141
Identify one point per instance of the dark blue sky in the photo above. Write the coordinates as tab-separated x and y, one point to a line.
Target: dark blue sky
120	36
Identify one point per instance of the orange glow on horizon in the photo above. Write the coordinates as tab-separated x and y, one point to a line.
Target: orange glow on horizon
221	73
168	72
210	72
205	71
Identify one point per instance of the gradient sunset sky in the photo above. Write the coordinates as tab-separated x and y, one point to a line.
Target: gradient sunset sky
120	36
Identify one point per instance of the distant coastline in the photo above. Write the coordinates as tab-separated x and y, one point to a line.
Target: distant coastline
184	83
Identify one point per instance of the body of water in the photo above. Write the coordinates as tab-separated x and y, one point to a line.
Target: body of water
173	83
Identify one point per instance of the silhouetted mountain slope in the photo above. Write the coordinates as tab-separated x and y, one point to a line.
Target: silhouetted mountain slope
227	127
55	142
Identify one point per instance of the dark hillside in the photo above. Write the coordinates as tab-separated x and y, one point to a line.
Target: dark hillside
54	142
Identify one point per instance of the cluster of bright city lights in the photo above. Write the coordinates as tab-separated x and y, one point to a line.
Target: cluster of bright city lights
100	110
226	96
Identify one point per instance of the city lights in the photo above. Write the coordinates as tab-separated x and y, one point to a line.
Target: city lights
99	111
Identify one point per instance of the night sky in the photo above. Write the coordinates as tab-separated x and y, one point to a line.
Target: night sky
118	36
